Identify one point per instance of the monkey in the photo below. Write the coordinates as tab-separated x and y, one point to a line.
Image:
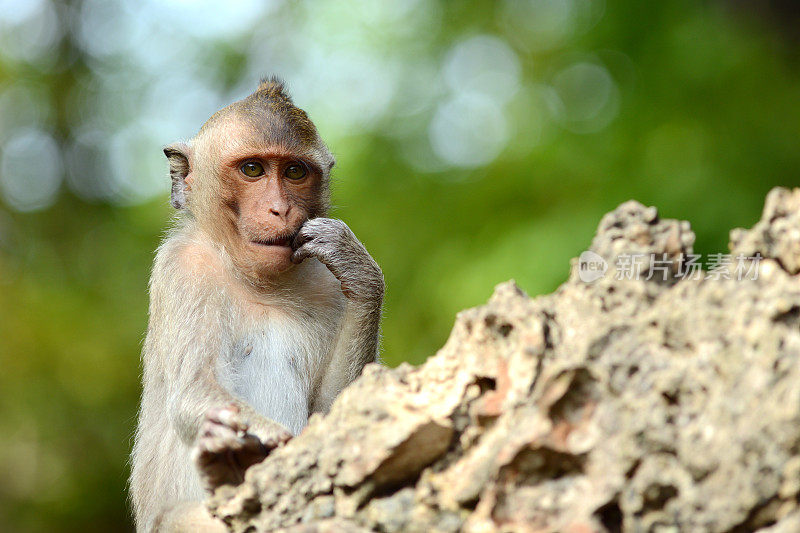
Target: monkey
261	309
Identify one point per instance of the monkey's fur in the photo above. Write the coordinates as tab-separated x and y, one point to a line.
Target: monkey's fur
261	310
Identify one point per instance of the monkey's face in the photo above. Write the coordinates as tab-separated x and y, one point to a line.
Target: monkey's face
256	171
267	193
252	195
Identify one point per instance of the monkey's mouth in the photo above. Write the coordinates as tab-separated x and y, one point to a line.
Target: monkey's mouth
284	241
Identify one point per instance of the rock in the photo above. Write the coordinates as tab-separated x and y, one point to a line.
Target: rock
663	404
777	235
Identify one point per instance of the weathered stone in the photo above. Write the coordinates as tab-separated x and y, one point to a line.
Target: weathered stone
777	234
661	404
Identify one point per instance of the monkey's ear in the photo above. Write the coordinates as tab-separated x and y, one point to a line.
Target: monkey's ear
179	169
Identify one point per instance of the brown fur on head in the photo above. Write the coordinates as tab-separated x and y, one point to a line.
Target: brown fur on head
253	217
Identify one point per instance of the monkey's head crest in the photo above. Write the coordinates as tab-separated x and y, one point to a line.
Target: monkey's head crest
271	108
273	117
273	88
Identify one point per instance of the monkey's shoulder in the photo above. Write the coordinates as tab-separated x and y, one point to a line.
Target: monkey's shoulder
181	257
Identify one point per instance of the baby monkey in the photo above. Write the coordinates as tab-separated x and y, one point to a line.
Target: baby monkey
261	309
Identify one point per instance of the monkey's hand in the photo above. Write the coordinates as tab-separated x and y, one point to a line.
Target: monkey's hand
335	245
225	449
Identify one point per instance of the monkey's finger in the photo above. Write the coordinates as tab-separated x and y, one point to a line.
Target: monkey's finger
277	440
227	416
299	255
230	418
318	228
314	249
309	230
214	412
300	239
214	430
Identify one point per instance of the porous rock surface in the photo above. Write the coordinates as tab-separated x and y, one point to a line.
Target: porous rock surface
665	404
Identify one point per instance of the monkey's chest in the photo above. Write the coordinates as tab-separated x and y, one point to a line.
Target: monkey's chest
273	368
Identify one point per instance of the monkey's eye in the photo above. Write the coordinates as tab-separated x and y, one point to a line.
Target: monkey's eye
295	171
252	169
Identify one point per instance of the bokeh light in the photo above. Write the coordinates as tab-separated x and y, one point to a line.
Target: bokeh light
469	130
30	170
588	98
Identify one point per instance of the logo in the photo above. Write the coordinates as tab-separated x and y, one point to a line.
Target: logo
591	266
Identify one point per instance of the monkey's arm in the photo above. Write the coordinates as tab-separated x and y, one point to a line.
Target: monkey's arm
186	340
335	245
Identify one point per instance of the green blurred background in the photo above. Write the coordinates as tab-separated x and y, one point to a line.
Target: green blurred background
476	141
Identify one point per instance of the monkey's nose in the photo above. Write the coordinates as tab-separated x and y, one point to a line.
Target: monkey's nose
280	211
